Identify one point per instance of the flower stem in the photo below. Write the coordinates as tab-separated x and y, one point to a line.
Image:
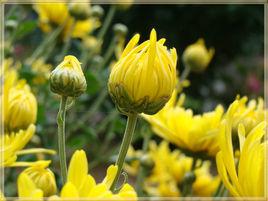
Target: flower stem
131	123
107	22
61	138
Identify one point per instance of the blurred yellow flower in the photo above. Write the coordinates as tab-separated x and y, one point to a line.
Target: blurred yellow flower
195	133
197	56
245	175
2	197
41	71
81	184
42	177
20	107
27	189
249	113
144	77
169	170
51	14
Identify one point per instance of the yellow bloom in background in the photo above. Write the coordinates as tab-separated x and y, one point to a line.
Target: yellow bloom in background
169	170
144	78
197	57
41	71
27	189
205	184
244	176
195	133
12	143
249	113
2	197
57	14
42	177
80	184
21	107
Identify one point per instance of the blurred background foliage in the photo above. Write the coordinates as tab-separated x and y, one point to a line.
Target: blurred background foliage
93	123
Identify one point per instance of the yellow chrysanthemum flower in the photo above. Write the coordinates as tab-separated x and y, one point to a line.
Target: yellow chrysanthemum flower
144	77
12	143
41	71
169	170
58	14
27	189
197	56
83	185
42	177
195	133
249	113
244	176
21	107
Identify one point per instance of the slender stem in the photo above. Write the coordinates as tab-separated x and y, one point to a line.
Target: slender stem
185	73
67	42
107	22
45	43
131	123
142	170
61	138
107	54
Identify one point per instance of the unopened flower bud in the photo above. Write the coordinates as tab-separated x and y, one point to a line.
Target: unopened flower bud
80	11
68	79
120	30
97	11
144	77
197	57
189	177
21	107
147	161
42	177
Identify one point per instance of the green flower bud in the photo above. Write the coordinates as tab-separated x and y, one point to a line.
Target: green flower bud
120	29
97	11
67	79
79	11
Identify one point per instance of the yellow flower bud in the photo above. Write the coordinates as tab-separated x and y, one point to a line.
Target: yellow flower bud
42	177
67	79
197	56
21	107
144	78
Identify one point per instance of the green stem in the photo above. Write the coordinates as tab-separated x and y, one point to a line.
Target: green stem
106	22
61	138
45	44
185	73
108	54
67	42
131	123
142	169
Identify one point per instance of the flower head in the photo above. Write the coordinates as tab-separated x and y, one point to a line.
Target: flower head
42	177
170	167
58	14
27	189
68	79
144	77
244	176
21	107
12	143
81	184
197	56
194	133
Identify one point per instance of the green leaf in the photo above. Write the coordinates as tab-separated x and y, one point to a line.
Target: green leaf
25	28
93	83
